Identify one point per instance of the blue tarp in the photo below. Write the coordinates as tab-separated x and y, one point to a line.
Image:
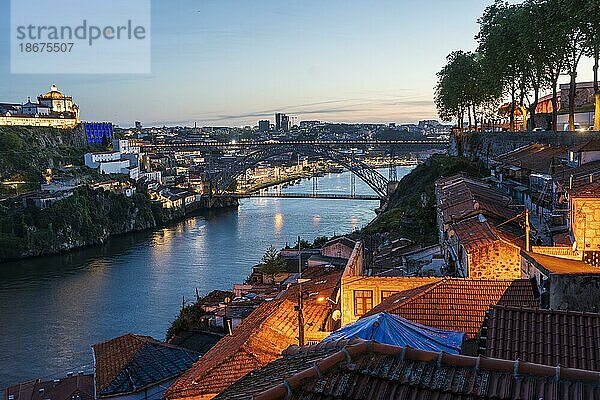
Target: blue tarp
392	329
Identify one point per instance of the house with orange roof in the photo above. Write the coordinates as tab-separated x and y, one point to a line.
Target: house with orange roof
261	337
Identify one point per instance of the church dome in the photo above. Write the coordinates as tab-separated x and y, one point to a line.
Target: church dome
53	94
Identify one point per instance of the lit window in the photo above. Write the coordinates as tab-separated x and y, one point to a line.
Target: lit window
387	293
363	301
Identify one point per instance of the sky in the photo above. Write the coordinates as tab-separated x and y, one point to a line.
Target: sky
233	62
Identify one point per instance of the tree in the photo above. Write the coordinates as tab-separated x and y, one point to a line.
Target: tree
272	263
591	33
575	49
458	87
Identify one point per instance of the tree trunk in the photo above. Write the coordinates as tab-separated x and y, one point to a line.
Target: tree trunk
469	114
475	117
554	105
512	107
596	90
572	92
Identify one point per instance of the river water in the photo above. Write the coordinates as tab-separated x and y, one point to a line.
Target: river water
52	309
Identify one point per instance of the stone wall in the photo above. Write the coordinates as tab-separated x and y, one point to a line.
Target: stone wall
575	292
586	223
486	145
498	261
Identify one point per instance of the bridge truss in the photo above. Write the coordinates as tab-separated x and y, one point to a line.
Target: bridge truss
224	179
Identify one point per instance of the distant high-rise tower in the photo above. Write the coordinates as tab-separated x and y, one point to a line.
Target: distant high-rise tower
264	125
282	122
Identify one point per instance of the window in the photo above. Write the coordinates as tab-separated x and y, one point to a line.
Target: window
363	301
387	293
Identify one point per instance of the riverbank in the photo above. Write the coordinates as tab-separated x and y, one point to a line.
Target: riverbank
88	217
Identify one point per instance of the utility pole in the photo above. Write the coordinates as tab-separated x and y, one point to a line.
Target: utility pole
527	230
300	300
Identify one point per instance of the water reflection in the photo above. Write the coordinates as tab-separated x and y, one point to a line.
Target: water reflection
58	306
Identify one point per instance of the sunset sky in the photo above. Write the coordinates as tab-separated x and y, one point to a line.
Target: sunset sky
233	62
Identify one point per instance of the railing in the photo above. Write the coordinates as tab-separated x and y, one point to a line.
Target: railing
560	252
332	196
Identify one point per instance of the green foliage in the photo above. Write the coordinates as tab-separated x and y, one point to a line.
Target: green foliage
87	217
189	318
272	263
411	212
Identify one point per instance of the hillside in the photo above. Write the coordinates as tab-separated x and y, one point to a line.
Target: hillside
410	212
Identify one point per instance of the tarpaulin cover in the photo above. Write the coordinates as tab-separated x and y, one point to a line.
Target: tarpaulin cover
392	329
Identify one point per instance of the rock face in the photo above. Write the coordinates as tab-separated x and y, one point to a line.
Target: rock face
88	217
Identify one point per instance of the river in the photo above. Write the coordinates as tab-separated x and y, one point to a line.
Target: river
52	309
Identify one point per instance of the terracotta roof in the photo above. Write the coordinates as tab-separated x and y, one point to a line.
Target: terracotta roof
78	387
474	232
258	339
370	370
130	363
592	145
197	341
560	266
295	359
566	338
457	304
585	188
459	197
536	157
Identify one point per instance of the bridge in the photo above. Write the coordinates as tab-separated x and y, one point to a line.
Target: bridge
330	196
224	177
227	176
199	145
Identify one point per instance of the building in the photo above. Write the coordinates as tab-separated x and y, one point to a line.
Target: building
53	109
366	370
282	122
264	125
477	229
458	304
136	367
563	283
260	338
98	132
73	387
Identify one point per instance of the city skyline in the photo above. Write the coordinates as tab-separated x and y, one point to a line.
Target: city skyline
212	66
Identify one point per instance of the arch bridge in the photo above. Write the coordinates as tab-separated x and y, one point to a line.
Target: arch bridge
223	180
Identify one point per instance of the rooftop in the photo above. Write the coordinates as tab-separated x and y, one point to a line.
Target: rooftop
457	304
370	370
77	387
566	338
130	363
560	266
258	339
459	197
536	158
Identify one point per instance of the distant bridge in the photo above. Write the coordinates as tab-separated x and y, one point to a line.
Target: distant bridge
330	196
198	145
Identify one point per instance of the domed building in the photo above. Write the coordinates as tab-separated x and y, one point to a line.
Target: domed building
58	102
53	109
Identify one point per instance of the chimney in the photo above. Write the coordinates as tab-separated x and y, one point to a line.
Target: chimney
571	182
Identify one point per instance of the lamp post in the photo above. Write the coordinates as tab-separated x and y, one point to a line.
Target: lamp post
300	300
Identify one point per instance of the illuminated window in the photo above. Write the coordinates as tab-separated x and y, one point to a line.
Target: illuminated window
363	301
387	293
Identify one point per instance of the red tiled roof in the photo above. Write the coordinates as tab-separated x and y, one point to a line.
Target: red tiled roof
258	340
78	387
535	157
131	363
457	304
459	197
474	233
566	338
373	371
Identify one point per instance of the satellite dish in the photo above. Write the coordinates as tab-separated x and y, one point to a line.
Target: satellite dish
337	315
